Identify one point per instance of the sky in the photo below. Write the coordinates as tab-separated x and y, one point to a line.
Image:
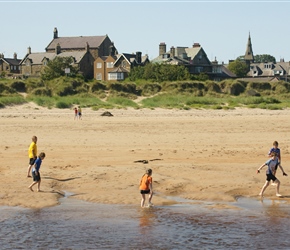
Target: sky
222	28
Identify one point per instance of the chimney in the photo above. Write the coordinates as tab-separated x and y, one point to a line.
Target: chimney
15	55
57	49
55	33
29	50
87	47
172	51
195	45
139	57
162	49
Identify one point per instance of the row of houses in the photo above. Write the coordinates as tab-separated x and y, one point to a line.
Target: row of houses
97	57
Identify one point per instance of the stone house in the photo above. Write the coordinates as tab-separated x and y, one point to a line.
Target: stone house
194	58
83	49
9	66
33	63
267	70
98	45
117	68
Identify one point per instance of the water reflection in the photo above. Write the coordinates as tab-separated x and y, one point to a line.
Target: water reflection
82	225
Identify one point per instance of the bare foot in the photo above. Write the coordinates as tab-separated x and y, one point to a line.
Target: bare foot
261	194
30	189
279	195
38	190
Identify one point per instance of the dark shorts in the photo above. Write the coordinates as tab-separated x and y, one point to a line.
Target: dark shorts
36	177
145	191
31	161
271	177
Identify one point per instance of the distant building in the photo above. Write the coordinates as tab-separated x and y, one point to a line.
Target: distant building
249	55
117	67
9	66
83	49
195	59
270	71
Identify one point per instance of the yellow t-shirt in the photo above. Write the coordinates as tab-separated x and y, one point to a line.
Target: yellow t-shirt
32	151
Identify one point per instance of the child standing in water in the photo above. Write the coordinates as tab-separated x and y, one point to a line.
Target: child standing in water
272	165
146	187
36	173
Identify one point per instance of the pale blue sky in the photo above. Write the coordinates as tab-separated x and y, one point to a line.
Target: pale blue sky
221	27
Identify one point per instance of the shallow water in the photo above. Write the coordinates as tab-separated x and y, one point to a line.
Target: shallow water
81	225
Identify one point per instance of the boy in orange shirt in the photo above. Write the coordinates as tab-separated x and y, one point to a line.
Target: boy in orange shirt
146	187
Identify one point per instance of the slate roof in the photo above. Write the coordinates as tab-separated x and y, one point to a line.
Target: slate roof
11	61
76	42
37	58
276	68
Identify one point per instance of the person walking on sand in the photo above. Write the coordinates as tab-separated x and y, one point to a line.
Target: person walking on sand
36	173
271	163
278	153
80	112
146	187
76	113
32	154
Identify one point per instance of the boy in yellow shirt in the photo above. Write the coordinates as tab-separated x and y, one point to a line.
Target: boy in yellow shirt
32	154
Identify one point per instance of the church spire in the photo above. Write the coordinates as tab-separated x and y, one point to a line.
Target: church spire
249	55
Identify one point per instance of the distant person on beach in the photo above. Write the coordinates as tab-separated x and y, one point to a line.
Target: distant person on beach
272	164
76	113
146	187
32	154
36	173
278	153
80	112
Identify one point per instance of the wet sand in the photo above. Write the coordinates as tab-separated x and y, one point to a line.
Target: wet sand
200	155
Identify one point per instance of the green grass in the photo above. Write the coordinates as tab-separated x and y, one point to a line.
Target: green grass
11	100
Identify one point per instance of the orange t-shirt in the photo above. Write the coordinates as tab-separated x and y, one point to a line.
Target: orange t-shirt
145	181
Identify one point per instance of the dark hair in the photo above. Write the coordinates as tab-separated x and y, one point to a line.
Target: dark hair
42	154
149	171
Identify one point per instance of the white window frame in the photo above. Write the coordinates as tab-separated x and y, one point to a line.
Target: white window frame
99	65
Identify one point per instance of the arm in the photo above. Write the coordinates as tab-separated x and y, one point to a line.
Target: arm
151	188
282	170
258	170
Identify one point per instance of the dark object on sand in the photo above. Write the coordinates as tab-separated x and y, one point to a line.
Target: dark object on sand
106	113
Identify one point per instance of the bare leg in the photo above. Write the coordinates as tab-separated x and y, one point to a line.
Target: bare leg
277	187
264	188
30	187
150	197
38	186
28	171
143	200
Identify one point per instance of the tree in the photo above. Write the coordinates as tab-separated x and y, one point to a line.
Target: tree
160	72
56	68
264	58
239	68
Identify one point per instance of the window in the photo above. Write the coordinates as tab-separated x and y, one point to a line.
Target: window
123	64
99	65
110	65
198	69
116	76
99	76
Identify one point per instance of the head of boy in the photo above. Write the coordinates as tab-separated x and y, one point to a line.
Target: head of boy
275	144
149	171
273	155
34	139
42	155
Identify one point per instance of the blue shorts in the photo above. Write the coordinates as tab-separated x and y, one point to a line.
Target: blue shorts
271	177
36	177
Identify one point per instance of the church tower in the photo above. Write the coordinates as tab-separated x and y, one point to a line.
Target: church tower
249	55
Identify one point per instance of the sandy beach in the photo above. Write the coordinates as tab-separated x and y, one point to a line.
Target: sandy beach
200	155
